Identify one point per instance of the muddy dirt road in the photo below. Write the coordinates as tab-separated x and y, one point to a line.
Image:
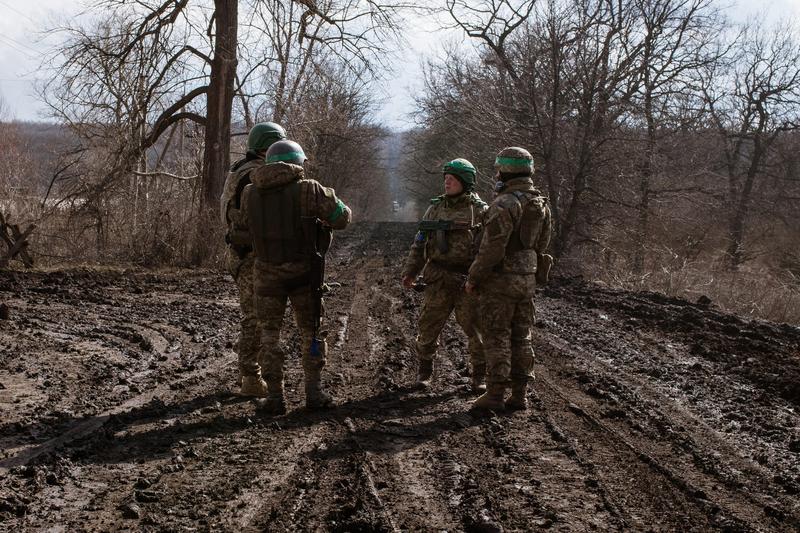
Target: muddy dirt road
648	413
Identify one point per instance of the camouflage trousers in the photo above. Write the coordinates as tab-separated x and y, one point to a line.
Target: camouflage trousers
275	285
442	297
249	333
507	316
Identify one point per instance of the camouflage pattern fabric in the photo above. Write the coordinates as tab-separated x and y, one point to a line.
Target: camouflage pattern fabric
445	274
426	254
241	268
504	272
230	206
507	316
441	299
273	289
275	284
249	335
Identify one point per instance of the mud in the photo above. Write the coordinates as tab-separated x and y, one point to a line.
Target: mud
118	412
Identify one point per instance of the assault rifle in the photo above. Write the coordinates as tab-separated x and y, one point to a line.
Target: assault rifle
319	239
441	227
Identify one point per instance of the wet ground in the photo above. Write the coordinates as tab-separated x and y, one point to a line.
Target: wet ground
117	412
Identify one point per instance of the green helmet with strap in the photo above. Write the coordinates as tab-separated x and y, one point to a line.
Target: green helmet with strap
286	151
263	134
514	160
463	170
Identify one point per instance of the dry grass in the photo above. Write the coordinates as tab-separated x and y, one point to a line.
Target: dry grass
755	292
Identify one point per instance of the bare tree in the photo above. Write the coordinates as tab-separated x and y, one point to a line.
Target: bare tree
138	79
563	77
679	39
200	59
753	100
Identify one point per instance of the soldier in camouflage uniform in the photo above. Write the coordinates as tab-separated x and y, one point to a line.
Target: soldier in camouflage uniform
444	248
504	274
240	258
277	208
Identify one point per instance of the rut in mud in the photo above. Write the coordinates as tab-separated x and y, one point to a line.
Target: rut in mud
648	413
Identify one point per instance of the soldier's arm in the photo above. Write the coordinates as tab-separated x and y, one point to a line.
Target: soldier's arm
330	209
497	230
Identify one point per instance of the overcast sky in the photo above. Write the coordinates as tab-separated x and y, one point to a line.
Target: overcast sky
22	46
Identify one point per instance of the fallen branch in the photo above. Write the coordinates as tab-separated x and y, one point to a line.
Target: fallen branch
167	174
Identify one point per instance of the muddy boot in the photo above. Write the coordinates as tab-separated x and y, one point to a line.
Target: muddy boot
478	379
253	386
518	400
491	400
424	373
316	397
273	405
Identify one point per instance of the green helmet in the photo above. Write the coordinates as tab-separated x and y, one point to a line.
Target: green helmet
263	134
514	160
286	151
463	170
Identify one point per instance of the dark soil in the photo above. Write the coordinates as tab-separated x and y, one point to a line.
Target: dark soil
118	412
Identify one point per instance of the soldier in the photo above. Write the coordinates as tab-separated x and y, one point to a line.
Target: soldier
444	247
504	274
240	256
284	211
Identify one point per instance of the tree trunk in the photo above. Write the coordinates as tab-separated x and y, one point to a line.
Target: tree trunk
645	183
216	157
741	205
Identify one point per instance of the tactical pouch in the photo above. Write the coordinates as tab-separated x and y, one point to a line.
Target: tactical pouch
544	262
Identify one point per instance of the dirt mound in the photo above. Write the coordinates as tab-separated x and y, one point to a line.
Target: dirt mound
648	413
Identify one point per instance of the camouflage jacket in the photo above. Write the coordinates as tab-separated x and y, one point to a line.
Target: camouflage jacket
315	200
230	208
517	227
450	250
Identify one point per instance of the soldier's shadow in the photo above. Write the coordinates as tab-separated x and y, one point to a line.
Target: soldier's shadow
394	426
380	423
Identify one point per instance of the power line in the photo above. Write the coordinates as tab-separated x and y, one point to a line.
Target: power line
17	11
4	39
20	43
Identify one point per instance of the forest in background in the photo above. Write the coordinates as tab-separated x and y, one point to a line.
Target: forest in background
664	136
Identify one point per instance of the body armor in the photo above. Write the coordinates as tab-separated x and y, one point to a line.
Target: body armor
279	231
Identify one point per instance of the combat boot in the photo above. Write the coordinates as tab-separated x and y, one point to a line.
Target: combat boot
518	400
425	373
479	379
253	386
273	405
316	397
491	400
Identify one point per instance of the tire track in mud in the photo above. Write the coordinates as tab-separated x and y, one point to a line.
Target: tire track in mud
141	366
84	428
697	477
603	447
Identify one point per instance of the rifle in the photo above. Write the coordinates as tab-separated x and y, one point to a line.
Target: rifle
319	238
441	227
